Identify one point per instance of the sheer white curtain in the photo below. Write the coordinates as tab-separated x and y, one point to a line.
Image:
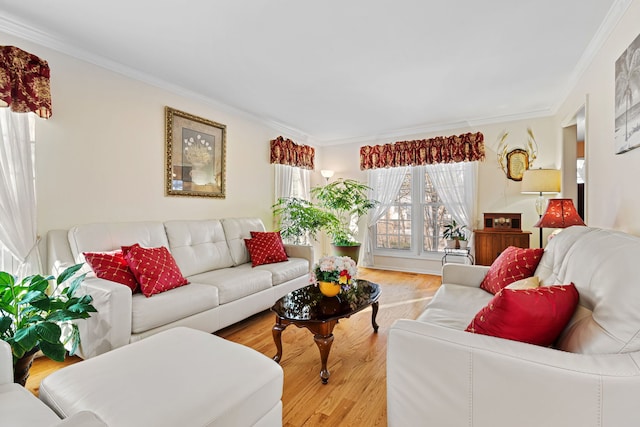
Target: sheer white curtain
305	181
17	191
385	184
284	180
456	184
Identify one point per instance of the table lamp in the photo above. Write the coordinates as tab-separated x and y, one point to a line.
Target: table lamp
539	181
560	213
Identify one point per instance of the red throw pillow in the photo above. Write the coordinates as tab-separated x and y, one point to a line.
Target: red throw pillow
535	316
155	269
111	266
269	234
265	248
513	264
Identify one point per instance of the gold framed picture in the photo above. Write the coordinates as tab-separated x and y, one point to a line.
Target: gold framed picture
517	163
195	151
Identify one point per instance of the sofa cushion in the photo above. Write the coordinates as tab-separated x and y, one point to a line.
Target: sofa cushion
154	268
511	265
454	305
236	230
198	246
112	266
235	282
170	306
282	272
527	283
265	248
102	237
19	407
535	316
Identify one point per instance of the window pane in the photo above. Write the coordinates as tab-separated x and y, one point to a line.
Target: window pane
393	230
435	217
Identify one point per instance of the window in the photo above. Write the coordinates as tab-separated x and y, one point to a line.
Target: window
412	225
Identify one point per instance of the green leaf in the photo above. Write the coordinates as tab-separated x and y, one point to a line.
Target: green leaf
74	339
75	283
27	337
6	279
33	296
67	273
36	283
49	332
53	351
5	324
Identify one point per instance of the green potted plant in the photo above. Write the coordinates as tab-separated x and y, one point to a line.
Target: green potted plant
31	316
339	207
454	233
348	201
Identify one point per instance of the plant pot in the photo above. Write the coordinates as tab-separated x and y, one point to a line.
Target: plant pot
352	251
22	367
451	244
463	244
329	289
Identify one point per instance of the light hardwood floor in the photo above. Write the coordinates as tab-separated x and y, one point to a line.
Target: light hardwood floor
356	392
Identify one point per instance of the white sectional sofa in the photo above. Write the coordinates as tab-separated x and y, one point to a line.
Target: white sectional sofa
224	288
440	375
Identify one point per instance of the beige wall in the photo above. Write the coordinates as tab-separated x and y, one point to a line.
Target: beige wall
101	156
612	197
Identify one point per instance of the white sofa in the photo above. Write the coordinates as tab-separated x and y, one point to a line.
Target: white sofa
439	375
211	254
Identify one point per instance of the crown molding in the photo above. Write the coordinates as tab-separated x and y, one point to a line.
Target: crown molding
469	125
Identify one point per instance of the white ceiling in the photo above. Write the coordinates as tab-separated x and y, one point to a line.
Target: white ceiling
336	70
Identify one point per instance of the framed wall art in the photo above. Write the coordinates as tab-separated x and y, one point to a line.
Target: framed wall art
195	155
627	99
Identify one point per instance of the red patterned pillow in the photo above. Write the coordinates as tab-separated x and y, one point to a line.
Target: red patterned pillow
111	266
265	248
513	264
269	235
155	269
535	316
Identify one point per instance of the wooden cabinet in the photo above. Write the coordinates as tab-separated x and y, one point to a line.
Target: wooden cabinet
489	244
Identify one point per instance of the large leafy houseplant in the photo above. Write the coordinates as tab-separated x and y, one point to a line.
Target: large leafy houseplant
347	200
300	219
32	313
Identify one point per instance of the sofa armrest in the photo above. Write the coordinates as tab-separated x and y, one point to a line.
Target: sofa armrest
6	363
442	376
464	274
59	254
110	327
300	251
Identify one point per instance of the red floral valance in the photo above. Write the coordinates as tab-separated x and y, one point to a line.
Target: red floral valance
467	147
287	152
24	82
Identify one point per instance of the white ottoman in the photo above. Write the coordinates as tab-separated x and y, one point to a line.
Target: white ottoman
178	378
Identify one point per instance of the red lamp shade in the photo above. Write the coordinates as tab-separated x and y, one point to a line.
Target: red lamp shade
560	213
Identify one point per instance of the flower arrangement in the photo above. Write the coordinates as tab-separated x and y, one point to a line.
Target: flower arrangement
197	152
336	269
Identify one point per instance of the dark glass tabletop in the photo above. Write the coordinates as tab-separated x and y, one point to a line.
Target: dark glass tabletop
308	304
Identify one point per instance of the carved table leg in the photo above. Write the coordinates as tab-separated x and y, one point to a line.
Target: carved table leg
324	345
374	313
277	338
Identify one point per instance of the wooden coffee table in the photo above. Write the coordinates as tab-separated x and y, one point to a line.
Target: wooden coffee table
308	308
